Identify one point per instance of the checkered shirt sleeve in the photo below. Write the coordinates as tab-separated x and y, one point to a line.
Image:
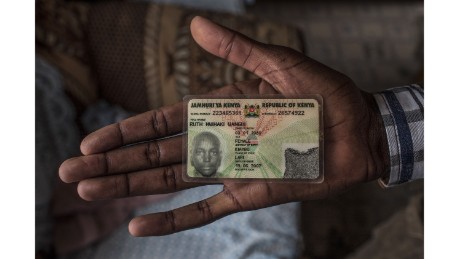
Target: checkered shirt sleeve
402	113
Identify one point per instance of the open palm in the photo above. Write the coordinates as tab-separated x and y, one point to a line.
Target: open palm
354	143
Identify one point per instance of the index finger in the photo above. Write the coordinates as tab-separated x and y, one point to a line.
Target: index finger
165	121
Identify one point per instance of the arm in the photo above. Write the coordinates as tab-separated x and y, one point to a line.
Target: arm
355	146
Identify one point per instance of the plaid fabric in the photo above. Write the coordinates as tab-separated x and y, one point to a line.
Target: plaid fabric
402	111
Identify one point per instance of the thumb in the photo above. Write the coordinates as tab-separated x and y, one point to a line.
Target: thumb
287	70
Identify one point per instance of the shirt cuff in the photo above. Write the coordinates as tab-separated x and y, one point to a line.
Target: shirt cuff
402	112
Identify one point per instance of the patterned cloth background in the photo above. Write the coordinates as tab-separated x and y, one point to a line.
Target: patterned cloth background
140	55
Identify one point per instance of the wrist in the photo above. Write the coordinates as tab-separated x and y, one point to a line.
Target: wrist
379	157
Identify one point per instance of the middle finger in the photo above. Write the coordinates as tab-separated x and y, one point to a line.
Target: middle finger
153	181
143	156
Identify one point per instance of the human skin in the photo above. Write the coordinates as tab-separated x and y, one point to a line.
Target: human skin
206	155
355	149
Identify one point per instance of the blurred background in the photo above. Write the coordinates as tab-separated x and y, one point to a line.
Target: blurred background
98	62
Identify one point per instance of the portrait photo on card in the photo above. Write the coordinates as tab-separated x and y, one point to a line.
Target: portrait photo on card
206	154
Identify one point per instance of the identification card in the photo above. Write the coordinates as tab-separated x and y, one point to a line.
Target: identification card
245	138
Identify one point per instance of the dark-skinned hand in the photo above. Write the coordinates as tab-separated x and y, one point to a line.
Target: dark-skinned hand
354	140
